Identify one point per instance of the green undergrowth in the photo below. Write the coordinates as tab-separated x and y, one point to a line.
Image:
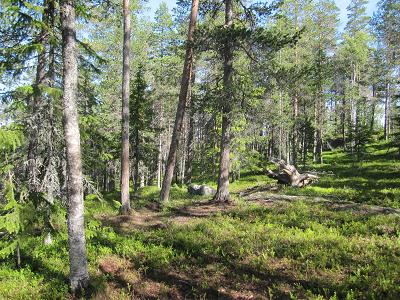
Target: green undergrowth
284	250
374	180
296	250
313	250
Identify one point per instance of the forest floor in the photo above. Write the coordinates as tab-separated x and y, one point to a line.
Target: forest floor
336	239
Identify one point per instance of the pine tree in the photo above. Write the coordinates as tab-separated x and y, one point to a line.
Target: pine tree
356	54
387	29
325	18
165	60
180	112
141	117
357	17
222	194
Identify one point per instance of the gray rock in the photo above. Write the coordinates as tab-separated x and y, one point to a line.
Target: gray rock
203	190
48	240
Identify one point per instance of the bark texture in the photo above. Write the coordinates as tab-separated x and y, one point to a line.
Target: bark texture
222	194
159	161
137	160
37	102
294	128
190	135
386	126
189	149
180	112
79	277
318	119
125	204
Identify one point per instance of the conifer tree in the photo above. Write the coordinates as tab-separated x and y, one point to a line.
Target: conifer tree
141	116
180	112
222	194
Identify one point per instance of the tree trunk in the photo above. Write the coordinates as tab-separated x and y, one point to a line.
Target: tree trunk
386	116
222	194
353	109
180	112
111	177
18	256
294	128
51	127
137	160
304	146
296	95
343	121
36	103
269	145
183	166
318	132
105	178
318	117
160	142
373	107
79	277
189	149
280	125
159	164
125	203
189	144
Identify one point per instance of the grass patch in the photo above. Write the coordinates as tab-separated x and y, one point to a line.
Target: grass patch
375	180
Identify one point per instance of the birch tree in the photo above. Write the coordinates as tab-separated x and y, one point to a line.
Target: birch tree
79	277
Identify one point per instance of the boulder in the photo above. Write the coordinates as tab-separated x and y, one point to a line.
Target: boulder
203	190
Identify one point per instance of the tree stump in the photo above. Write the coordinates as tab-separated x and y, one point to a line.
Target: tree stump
288	175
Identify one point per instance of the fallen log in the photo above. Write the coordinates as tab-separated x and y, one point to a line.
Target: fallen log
288	175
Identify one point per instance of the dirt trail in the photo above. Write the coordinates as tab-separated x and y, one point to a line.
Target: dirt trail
266	196
151	217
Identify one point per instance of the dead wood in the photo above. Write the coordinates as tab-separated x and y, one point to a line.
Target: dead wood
287	174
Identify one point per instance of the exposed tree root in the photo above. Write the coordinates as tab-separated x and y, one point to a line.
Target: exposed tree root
288	174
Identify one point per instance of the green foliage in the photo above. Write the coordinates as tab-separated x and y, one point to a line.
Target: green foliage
146	255
355	48
372	180
11	220
396	135
362	137
10	139
142	126
20	284
358	20
140	105
298	236
11	214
